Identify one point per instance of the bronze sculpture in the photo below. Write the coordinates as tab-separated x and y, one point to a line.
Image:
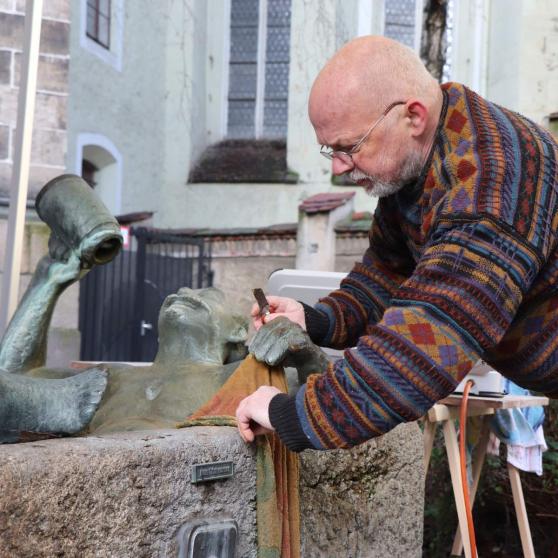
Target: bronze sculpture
201	341
198	337
83	234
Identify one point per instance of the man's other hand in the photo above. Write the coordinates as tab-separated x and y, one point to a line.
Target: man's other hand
280	306
252	413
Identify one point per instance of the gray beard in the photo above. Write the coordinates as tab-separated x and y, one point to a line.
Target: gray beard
409	172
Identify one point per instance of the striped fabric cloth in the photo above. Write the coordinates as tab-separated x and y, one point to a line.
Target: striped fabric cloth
461	266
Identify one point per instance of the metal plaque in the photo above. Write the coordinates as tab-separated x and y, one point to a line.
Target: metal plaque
204	472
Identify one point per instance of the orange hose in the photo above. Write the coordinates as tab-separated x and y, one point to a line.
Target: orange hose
463	463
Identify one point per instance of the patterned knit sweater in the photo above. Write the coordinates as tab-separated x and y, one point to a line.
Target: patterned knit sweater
462	265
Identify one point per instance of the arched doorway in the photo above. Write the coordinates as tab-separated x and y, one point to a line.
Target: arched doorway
99	163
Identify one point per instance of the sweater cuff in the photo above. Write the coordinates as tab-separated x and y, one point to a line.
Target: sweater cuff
284	419
317	324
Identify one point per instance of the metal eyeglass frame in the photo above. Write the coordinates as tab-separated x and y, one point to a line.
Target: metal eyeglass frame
347	156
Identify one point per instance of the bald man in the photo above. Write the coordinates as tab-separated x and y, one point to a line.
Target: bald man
462	262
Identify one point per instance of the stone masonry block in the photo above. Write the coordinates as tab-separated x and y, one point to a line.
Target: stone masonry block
34	247
56	9
3	236
63	347
232	275
50	110
5	178
5	66
122	494
40	175
52	74
367	502
11	31
24	280
55	35
8	105
66	313
128	494
4	142
7	5
48	147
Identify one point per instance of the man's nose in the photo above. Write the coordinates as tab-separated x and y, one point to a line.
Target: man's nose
339	166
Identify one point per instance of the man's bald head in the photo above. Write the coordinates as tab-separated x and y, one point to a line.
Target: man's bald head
349	97
365	76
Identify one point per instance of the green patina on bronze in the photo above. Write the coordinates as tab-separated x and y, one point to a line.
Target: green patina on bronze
199	336
201	341
83	234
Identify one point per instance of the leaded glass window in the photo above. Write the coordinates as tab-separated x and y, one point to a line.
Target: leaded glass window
259	68
400	21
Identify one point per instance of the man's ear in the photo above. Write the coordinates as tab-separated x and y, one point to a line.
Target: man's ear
238	333
418	116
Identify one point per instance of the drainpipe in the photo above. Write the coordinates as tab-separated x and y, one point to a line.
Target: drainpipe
22	156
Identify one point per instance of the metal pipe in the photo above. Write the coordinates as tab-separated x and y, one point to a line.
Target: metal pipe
22	157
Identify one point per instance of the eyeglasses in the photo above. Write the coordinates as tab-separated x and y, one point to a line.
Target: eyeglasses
347	156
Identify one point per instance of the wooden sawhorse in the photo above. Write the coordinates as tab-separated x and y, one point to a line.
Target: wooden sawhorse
446	411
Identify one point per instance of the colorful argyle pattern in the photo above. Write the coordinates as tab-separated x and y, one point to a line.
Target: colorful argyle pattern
461	266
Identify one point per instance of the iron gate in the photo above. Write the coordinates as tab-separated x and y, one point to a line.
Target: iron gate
119	302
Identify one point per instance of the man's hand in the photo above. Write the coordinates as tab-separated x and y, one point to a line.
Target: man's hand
280	306
252	413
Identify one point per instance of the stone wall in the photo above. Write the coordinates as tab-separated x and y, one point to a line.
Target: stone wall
129	494
120	495
241	264
49	144
367	502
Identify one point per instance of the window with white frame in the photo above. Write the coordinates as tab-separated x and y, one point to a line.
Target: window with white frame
98	21
101	29
258	69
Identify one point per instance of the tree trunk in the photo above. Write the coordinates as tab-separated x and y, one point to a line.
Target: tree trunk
433	40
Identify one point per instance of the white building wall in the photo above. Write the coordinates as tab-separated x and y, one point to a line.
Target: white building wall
470	43
538	66
184	112
504	53
202	83
313	42
318	28
168	102
217	64
122	102
102	152
507	50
